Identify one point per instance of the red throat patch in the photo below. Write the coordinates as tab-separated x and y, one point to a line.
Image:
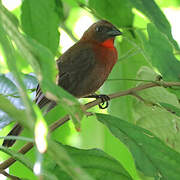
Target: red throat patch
109	43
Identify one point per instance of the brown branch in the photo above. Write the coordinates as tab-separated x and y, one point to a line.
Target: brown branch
87	106
10	176
10	161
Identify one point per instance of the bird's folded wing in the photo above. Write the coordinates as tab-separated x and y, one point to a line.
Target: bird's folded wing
74	66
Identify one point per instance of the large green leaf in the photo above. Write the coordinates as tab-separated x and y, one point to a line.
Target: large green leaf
153	12
118	12
154	118
7	107
94	161
151	155
8	88
159	52
61	157
11	62
40	20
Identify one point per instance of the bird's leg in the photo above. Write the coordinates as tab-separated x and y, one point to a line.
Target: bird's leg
104	98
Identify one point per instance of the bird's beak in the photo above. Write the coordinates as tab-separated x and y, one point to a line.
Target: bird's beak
114	32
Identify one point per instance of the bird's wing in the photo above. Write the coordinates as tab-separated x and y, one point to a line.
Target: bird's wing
73	65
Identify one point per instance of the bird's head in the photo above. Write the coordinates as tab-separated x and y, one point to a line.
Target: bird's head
101	32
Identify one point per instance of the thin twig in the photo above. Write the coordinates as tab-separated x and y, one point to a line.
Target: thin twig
87	106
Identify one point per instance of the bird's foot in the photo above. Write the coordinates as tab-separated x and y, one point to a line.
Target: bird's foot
104	98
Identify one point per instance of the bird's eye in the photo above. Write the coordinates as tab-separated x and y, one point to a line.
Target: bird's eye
99	28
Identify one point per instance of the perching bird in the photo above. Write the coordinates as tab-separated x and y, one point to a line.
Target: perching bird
84	67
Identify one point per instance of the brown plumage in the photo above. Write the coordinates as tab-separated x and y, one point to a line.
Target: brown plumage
84	67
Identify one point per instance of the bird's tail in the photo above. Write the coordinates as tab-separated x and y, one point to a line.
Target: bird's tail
14	132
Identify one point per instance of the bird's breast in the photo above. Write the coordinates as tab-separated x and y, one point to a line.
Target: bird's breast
105	60
106	57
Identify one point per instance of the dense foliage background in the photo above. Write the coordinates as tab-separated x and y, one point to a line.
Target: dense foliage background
137	137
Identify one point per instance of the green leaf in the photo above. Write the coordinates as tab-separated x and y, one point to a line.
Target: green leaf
60	157
30	81
110	10
72	3
151	155
9	90
155	118
155	15
7	107
11	62
95	162
159	52
7	87
4	119
171	108
41	19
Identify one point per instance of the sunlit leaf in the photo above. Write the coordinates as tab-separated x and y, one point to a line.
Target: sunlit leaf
110	10
156	16
160	54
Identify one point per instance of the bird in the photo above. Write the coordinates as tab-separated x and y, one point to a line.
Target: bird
83	68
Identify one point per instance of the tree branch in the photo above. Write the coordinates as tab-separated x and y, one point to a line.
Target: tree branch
87	106
10	176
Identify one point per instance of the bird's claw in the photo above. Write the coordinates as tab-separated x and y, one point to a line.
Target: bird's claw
104	98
